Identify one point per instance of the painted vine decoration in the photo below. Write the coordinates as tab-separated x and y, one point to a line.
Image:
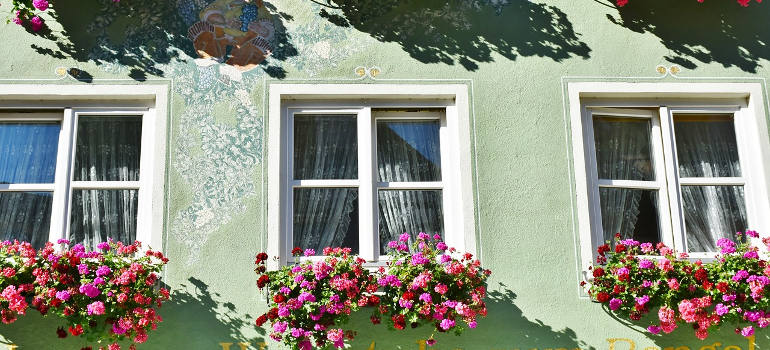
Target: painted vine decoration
104	296
632	279
429	284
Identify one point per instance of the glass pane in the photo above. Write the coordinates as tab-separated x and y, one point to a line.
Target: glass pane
409	211
631	212
108	148
101	214
28	152
25	216
623	148
408	151
326	217
711	213
705	146
325	147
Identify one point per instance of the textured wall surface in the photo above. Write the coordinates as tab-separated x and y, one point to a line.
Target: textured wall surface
514	53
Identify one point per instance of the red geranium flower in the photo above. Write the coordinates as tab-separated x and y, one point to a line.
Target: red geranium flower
261	320
603	297
76	331
598	272
262	281
61	333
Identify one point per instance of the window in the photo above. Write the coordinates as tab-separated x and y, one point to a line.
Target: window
678	170
359	175
84	173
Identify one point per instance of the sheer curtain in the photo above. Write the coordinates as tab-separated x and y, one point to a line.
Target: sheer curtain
707	148
107	149
325	147
622	153
408	152
27	155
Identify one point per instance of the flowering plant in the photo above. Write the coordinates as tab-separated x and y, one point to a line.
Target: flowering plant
631	280
430	286
26	11
744	3
312	299
103	296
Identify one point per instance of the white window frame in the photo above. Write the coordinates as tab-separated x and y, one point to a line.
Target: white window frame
360	99
744	100
65	104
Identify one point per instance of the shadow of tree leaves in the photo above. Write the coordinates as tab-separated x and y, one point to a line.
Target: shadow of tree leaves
462	31
710	32
141	36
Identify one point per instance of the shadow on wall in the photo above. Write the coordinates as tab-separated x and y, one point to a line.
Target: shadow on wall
505	327
138	35
192	319
462	31
195	318
719	31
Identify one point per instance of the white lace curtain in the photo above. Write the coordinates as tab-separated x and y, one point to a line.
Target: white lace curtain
107	149
27	155
709	149
325	147
408	152
622	153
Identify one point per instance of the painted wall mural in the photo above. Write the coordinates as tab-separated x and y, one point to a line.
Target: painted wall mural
244	28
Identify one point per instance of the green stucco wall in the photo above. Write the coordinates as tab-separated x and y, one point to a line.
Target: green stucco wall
514	53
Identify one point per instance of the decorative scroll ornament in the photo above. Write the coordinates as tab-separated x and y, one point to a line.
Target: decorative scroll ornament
72	72
664	71
371	72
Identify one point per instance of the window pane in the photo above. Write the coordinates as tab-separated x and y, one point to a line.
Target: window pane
623	148
705	146
325	147
711	213
326	217
408	151
631	212
409	211
108	148
28	152
101	214
25	216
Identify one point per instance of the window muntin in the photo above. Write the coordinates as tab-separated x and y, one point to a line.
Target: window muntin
329	164
703	182
84	167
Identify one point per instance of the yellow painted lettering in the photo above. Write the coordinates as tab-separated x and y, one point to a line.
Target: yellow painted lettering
683	348
711	347
612	341
262	345
733	347
225	346
421	343
751	340
12	346
244	346
371	346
